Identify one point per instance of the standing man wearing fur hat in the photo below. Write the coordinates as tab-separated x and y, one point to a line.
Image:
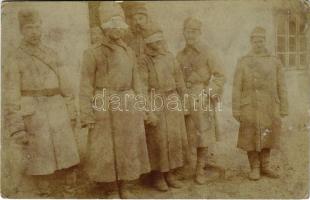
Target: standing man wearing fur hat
139	21
166	137
259	100
117	145
40	106
202	74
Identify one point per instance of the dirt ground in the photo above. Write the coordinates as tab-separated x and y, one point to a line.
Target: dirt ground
227	181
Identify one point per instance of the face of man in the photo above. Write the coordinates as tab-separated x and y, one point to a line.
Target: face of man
191	35
96	35
32	33
115	33
258	44
139	20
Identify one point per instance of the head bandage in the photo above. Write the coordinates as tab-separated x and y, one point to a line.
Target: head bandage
115	22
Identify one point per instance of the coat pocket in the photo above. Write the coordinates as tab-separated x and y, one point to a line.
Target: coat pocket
27	106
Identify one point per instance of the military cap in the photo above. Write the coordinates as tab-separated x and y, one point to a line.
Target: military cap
139	10
258	32
111	15
131	8
192	23
28	16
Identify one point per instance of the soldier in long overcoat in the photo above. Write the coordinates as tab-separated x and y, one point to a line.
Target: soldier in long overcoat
166	137
204	79
259	101
117	149
39	104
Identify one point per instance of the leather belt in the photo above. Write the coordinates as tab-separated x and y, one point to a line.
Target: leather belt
44	92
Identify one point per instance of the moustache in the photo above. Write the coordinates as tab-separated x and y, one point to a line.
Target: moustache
37	37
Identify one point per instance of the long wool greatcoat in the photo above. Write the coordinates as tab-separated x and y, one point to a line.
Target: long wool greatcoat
117	144
202	73
258	101
46	119
167	141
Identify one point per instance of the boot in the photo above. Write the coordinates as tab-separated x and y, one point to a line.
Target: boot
43	186
124	191
254	164
160	182
173	181
70	185
265	167
200	176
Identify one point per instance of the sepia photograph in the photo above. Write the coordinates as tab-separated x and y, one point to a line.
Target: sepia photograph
155	99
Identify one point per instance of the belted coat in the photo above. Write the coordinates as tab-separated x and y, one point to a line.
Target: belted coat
203	74
39	102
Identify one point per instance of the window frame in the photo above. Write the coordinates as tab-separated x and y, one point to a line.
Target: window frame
287	36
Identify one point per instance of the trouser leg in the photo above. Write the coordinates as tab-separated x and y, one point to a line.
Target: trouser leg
200	176
254	161
265	164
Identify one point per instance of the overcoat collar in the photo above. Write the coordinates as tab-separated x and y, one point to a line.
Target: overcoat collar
263	54
197	47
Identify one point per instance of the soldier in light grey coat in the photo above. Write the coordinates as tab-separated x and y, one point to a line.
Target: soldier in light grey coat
39	104
259	100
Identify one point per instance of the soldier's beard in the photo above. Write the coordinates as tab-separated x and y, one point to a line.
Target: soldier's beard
139	28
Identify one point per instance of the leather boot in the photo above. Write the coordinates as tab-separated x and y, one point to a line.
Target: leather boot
124	191
200	176
253	157
160	182
43	186
173	181
70	185
265	167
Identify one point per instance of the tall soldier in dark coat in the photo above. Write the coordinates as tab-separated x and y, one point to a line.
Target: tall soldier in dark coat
259	100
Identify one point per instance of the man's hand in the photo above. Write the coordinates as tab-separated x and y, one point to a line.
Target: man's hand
73	123
144	61
237	117
91	126
20	138
152	119
186	112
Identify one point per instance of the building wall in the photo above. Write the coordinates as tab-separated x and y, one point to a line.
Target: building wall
65	29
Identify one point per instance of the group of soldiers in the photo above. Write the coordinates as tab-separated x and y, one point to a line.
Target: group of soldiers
129	56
